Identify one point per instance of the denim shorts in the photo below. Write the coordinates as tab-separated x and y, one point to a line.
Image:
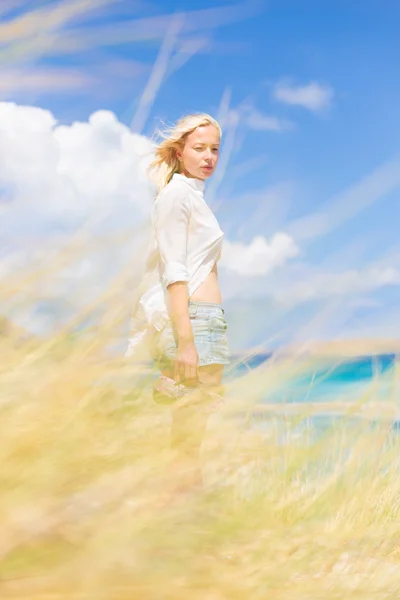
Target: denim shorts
210	337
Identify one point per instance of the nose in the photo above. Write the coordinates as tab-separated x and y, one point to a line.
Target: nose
208	154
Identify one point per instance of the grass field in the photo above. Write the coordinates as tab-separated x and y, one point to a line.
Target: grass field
91	505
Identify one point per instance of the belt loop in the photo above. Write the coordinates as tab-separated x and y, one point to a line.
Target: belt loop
192	308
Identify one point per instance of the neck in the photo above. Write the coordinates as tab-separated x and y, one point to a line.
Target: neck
188	175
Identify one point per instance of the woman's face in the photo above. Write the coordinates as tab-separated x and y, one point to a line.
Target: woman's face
200	154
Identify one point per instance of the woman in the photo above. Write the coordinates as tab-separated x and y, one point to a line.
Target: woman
190	344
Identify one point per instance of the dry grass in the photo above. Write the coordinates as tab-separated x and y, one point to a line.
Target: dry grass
90	505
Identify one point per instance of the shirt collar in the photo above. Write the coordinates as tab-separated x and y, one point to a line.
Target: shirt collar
196	184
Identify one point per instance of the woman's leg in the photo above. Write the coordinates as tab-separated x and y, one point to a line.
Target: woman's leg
189	421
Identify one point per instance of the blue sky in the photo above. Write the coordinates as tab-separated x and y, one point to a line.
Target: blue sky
314	89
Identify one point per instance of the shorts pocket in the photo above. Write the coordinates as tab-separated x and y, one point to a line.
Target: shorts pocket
218	324
219	339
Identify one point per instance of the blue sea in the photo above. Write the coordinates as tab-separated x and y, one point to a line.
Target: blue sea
329	385
333	378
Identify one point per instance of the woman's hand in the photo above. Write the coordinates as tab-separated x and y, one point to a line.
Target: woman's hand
186	363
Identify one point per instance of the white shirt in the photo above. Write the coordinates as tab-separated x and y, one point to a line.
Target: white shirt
186	243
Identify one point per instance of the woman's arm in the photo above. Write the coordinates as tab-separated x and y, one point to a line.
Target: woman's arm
171	220
186	356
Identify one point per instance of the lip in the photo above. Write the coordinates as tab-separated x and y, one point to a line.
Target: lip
207	168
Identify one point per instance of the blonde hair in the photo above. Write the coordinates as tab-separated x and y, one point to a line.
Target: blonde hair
166	163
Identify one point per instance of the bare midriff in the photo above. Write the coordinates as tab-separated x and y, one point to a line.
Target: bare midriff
209	290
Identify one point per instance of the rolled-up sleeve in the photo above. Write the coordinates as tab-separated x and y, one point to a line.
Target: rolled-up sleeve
171	221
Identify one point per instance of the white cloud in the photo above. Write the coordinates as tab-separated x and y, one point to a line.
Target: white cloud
352	282
87	176
299	283
247	113
72	171
364	302
305	285
259	257
313	96
258	121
